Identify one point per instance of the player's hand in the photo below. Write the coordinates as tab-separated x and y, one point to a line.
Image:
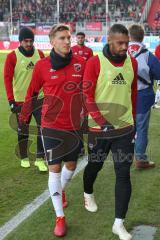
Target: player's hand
14	107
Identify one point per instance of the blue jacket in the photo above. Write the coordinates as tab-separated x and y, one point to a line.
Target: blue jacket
148	71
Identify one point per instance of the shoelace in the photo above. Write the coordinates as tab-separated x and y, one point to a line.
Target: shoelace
86	201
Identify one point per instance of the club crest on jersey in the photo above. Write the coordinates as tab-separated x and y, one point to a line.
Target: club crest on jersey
80	52
77	67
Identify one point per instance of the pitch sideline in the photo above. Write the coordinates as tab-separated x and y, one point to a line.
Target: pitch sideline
27	211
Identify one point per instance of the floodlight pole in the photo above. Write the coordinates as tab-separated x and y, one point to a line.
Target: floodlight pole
107	16
11	20
57	11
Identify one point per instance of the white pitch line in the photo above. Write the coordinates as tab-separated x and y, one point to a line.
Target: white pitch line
14	222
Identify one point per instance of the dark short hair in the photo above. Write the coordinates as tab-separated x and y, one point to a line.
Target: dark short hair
81	34
136	33
118	28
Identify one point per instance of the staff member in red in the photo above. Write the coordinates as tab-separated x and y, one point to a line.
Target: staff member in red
111	104
80	49
17	76
60	77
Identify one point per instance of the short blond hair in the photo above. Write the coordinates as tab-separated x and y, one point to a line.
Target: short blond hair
58	28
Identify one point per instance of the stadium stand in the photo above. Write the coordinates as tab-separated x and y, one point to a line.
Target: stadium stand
154	15
4	10
34	11
126	10
72	11
80	12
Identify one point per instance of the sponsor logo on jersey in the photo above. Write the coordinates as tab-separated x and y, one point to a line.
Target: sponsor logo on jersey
30	66
77	67
119	79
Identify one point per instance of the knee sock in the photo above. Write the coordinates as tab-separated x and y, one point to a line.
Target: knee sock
55	189
66	176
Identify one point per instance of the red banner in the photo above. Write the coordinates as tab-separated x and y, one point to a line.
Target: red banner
42	31
6	45
93	26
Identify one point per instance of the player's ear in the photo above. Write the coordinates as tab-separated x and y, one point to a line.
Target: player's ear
108	39
52	41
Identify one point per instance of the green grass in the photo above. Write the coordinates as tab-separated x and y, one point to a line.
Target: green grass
19	187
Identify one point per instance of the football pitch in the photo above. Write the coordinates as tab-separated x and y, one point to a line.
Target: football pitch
19	187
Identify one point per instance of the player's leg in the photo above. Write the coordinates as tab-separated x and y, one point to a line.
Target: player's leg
54	159
123	152
60	146
40	159
73	149
23	135
142	126
97	153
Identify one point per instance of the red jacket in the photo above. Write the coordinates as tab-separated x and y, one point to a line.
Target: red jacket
91	74
9	67
157	52
82	51
62	89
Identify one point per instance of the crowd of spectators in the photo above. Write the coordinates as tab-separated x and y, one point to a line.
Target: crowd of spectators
95	10
123	10
45	11
4	9
72	11
35	10
84	10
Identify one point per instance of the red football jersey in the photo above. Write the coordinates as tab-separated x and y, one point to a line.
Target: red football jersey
62	89
82	51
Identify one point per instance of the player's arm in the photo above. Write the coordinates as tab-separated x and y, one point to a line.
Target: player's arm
91	53
154	65
91	74
41	54
134	87
9	67
32	93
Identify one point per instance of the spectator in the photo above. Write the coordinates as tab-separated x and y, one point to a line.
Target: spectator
148	71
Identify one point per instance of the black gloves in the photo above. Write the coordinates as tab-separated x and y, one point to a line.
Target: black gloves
14	107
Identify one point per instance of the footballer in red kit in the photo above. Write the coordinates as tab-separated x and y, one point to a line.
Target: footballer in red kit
18	70
60	76
80	49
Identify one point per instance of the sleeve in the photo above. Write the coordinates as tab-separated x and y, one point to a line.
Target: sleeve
134	87
91	53
41	54
32	93
157	52
91	74
9	67
154	65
